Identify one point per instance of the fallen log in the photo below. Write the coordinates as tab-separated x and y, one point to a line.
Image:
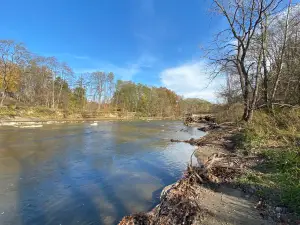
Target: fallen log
192	141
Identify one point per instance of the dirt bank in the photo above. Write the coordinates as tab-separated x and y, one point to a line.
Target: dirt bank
37	116
35	121
208	193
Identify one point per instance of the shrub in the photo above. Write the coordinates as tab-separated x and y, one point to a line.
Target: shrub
229	113
7	111
277	129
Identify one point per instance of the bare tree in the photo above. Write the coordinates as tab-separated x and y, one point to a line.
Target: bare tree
98	86
65	74
111	86
239	46
53	66
280	55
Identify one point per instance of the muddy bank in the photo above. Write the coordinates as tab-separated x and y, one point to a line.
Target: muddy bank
25	116
208	193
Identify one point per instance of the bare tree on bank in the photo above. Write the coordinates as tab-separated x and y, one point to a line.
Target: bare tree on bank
65	73
279	62
54	68
239	46
98	86
111	86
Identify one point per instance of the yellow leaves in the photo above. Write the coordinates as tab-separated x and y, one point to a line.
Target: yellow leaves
10	77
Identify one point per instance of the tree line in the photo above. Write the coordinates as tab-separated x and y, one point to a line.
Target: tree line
153	101
45	81
259	51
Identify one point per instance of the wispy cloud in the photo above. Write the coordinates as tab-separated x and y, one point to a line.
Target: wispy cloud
147	7
67	56
143	38
80	57
192	80
125	71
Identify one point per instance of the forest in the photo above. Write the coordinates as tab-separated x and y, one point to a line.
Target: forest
37	81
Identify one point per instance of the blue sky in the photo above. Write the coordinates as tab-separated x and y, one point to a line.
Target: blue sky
155	42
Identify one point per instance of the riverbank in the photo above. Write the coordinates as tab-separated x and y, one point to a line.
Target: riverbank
232	186
36	122
36	116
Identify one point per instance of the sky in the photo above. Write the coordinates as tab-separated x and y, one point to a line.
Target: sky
154	42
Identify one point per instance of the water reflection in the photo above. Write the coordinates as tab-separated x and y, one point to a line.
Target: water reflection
78	174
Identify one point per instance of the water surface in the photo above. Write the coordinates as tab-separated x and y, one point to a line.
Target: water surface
83	174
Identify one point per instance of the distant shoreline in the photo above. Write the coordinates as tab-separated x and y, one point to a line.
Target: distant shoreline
38	121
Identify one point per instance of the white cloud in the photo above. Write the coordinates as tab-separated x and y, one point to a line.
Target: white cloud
192	80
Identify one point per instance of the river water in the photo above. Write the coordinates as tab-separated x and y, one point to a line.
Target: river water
83	174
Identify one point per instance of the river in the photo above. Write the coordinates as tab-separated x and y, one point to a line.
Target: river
82	174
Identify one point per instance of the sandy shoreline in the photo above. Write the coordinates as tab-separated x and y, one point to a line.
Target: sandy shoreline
38	121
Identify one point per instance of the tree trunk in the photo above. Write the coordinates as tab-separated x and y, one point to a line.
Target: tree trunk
246	99
246	112
2	99
53	95
59	96
264	62
99	102
250	115
280	66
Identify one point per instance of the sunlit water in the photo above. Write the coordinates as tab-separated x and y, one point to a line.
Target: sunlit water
83	174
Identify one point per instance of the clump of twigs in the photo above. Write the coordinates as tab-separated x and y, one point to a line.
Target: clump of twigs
137	219
178	206
220	168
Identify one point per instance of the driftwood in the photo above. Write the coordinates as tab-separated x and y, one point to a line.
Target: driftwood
209	127
220	168
191	141
201	118
281	105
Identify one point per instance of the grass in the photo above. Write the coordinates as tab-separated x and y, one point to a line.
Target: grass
278	178
229	113
276	137
41	112
7	112
32	112
279	129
